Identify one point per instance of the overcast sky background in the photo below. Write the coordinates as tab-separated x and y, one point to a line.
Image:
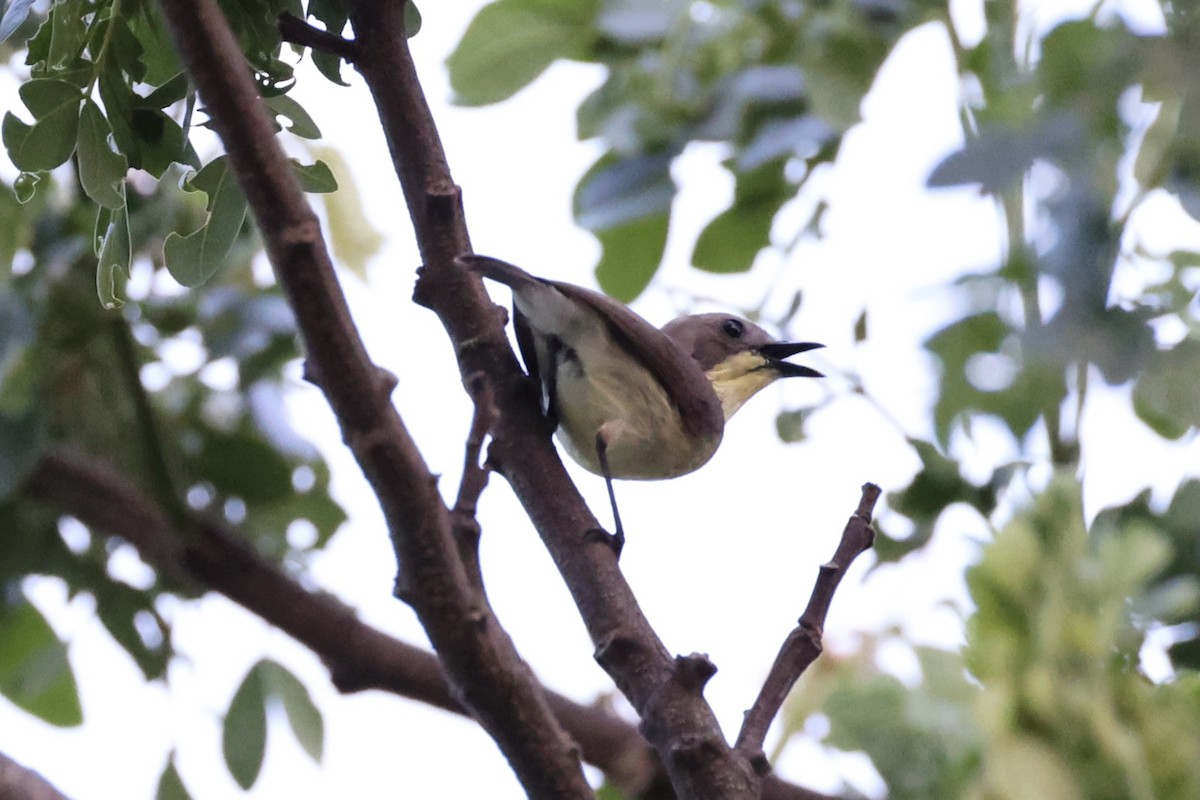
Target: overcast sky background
722	560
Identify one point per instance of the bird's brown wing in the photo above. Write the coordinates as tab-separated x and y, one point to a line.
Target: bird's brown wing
680	376
678	373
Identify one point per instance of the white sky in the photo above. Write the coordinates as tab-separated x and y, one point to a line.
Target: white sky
722	560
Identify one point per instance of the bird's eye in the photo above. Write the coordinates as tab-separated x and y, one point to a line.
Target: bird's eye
733	328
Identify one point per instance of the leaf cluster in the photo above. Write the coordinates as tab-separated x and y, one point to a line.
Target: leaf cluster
777	82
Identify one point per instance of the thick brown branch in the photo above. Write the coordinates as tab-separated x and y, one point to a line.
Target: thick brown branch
21	783
803	644
484	668
676	718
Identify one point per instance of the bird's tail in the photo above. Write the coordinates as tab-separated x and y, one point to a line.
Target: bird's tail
499	271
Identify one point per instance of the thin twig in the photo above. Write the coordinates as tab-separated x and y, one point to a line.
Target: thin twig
474	477
297	31
803	644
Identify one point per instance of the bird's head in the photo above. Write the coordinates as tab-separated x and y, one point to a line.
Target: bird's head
739	357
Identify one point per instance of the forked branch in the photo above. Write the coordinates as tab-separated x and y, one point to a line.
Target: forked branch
803	644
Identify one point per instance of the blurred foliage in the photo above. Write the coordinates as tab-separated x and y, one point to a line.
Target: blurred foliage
1071	130
1052	641
181	391
1044	700
778	81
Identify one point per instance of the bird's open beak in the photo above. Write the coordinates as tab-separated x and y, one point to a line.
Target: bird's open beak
776	353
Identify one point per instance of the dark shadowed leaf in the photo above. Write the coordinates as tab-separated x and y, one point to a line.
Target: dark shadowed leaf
101	171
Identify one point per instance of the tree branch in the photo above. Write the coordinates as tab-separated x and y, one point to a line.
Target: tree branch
474	478
21	783
803	644
479	659
675	716
358	656
297	31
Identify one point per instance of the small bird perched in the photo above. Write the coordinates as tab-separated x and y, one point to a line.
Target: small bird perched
630	400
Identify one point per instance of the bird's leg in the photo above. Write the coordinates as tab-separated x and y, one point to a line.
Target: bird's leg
617	540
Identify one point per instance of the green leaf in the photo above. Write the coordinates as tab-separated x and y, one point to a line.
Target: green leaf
244	466
172	91
316	177
114	256
1167	395
25	186
34	671
354	240
334	16
412	19
170	785
730	242
302	714
631	255
45	97
51	139
302	124
511	42
101	171
616	191
68	32
789	425
244	738
196	257
162	63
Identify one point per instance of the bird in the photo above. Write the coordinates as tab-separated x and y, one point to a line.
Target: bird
628	400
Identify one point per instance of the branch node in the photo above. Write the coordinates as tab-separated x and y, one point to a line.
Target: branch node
694	671
443	201
692	750
614	650
402	589
310	373
385	382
